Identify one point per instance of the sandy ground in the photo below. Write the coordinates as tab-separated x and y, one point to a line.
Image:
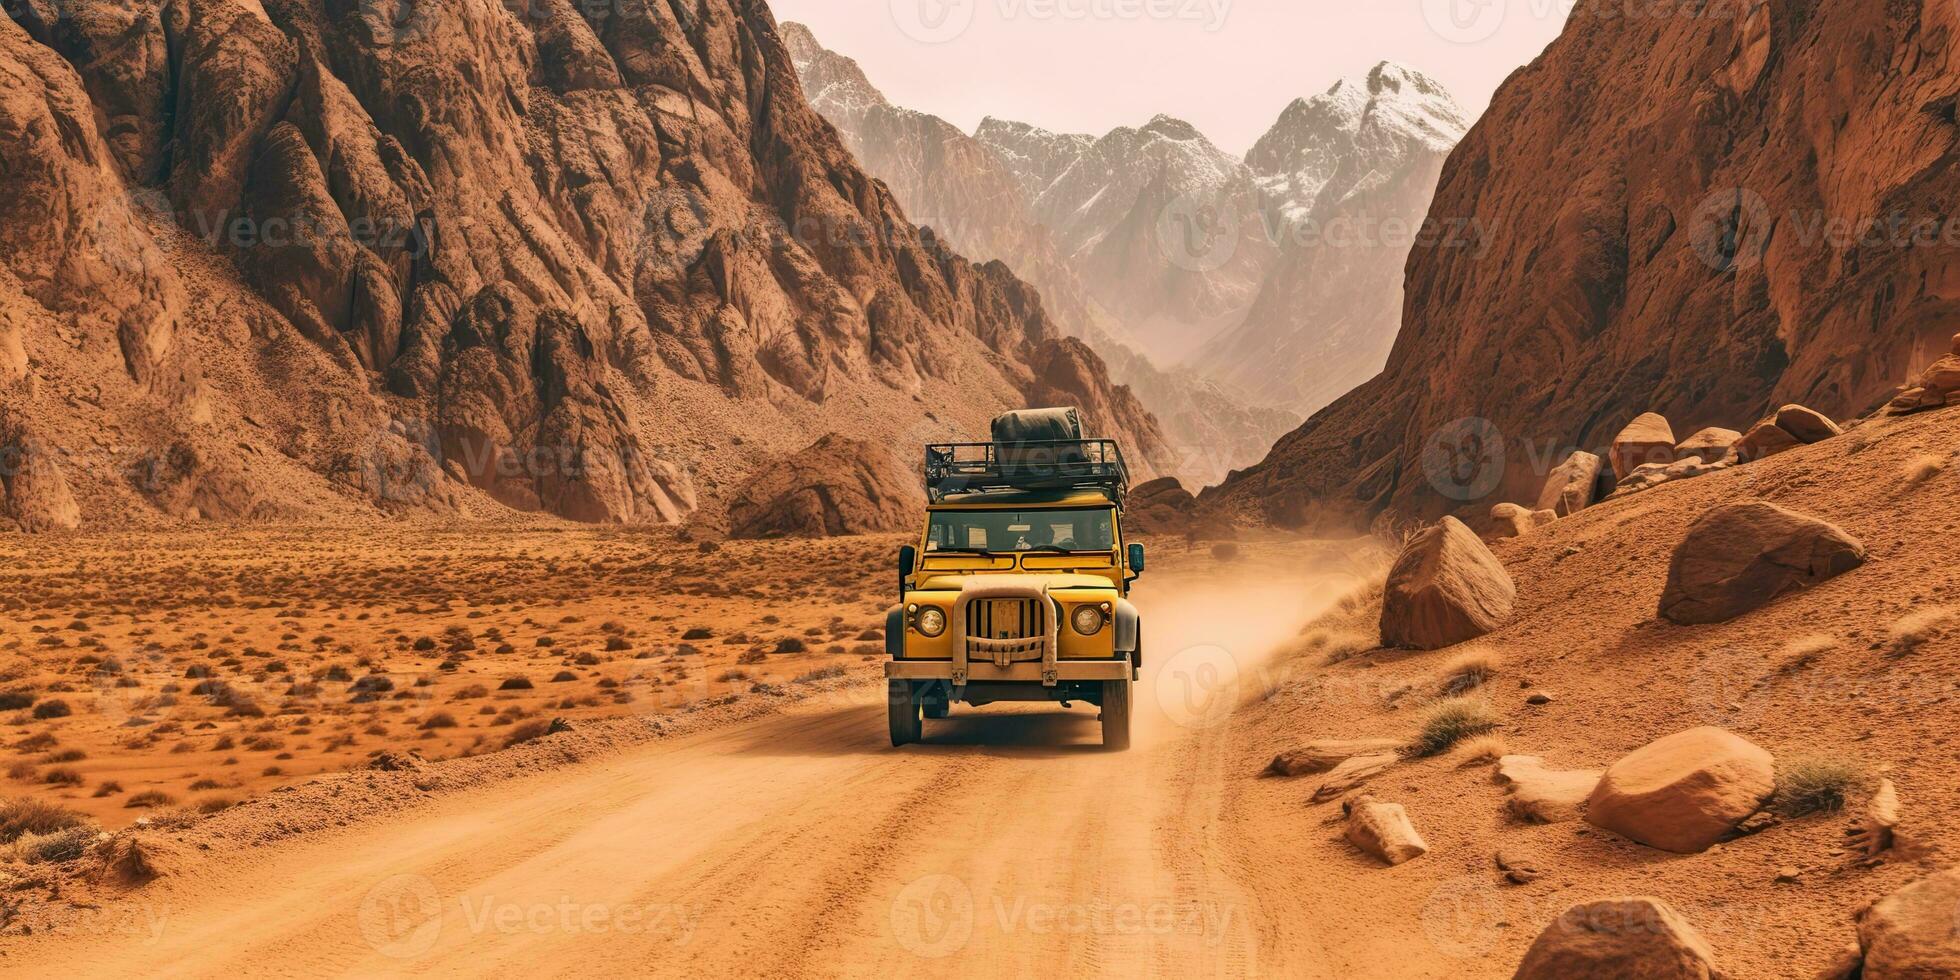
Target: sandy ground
791	840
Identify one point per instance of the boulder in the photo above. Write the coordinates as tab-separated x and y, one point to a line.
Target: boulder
1764	440
1513	521
1806	425
1326	754
34	492
1914	933
1541	795
1626	938
1877	831
1915	399
1685	792
1571	486
1686	469
1943	376
1352	773
1383	830
836	486
1710	444
1956	343
1647	439
1445	588
1740	556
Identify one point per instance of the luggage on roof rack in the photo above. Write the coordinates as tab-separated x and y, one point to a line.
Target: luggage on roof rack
1035	450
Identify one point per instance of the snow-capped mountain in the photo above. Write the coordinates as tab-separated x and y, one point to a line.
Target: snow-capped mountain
978	193
1349	175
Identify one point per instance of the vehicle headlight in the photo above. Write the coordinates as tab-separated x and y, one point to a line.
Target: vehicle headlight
1088	620
930	621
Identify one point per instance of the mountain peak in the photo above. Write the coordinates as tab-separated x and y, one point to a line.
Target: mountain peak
1171	127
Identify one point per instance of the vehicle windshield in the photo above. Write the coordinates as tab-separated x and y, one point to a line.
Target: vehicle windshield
998	531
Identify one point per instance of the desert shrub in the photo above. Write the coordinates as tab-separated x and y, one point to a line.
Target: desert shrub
55	847
516	684
62	777
15	700
204	784
750	657
528	731
109	788
52	709
1470	670
30	816
148	799
563	676
820	674
1819	784
441	719
1479	749
1450	721
214	804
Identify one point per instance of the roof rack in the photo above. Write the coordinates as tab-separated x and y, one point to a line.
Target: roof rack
983	467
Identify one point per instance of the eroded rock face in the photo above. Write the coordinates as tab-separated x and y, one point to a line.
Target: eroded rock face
1739	557
1712	444
535	230
1626	937
1685	792
1445	588
1639	271
837	486
34	492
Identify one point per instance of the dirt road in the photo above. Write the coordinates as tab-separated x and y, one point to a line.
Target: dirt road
802	845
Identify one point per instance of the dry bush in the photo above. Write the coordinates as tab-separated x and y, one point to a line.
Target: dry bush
1915	629
516	684
1469	670
55	847
1450	721
819	675
1924	468
149	799
47	710
29	816
1337	645
1480	749
109	788
441	719
528	731
62	777
1819	784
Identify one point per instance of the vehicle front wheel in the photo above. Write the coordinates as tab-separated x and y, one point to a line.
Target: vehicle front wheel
1116	715
903	705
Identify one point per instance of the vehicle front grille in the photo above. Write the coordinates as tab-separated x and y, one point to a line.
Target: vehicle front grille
1006	619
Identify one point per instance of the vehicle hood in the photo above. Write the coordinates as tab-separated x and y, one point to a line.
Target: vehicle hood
1056	581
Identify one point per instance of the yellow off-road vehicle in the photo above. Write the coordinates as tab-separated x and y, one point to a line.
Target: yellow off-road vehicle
1018	589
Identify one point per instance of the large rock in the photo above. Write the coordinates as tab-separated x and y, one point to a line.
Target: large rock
1444	589
1351	774
1542	795
837	486
33	490
1647	439
1326	754
1740	556
1685	792
1572	484
1619	939
1765	439
1514	521
1712	445
1914	933
1807	425
1383	830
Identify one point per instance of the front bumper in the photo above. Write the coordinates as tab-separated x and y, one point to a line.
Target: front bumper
981	672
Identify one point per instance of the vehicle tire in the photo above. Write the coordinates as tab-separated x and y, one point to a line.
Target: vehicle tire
1116	715
938	709
903	704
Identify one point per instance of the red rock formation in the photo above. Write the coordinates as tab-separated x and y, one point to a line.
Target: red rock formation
564	255
1670	205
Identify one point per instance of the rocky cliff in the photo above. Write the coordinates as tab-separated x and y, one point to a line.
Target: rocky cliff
332	259
1705	216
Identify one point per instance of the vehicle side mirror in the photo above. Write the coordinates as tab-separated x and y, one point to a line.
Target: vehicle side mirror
908	559
1136	558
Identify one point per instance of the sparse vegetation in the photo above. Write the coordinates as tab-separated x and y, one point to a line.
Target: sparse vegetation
1479	749
1450	721
1470	670
19	817
1813	784
149	798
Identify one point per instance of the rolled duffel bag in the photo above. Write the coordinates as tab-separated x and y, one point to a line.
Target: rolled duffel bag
1026	441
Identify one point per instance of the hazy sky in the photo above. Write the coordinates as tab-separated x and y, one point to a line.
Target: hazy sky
1227	66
